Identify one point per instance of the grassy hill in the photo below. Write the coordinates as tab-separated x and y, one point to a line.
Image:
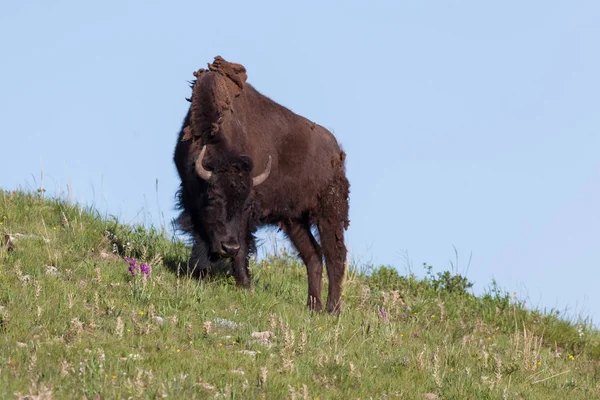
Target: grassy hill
75	323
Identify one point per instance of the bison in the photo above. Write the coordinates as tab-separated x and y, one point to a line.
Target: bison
245	161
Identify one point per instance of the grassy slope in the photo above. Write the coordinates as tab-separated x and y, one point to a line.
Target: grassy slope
74	323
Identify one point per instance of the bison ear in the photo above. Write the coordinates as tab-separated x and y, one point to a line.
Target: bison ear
246	163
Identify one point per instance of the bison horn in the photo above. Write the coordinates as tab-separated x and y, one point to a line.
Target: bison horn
202	173
257	180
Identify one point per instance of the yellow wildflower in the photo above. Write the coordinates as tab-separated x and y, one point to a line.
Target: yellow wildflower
141	313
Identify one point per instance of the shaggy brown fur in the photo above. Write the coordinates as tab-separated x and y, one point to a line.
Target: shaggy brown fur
307	185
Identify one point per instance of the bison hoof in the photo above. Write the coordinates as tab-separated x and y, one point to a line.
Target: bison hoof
314	304
333	308
243	283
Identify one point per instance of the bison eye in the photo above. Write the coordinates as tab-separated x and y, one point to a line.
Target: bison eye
246	164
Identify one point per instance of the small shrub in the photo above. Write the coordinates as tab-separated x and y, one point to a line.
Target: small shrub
447	282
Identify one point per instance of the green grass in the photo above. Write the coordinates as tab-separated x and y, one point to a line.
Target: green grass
74	324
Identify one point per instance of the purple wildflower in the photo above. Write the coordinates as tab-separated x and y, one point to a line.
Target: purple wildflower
133	266
145	269
383	314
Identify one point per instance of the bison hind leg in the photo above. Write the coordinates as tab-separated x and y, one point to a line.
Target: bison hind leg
309	250
332	222
332	241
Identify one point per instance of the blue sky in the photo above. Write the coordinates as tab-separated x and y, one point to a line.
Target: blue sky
466	123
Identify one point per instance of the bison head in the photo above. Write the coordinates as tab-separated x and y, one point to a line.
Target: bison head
228	202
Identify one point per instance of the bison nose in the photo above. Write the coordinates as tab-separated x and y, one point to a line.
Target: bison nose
230	249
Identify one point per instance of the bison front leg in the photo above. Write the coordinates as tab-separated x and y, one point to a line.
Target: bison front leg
240	267
199	264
